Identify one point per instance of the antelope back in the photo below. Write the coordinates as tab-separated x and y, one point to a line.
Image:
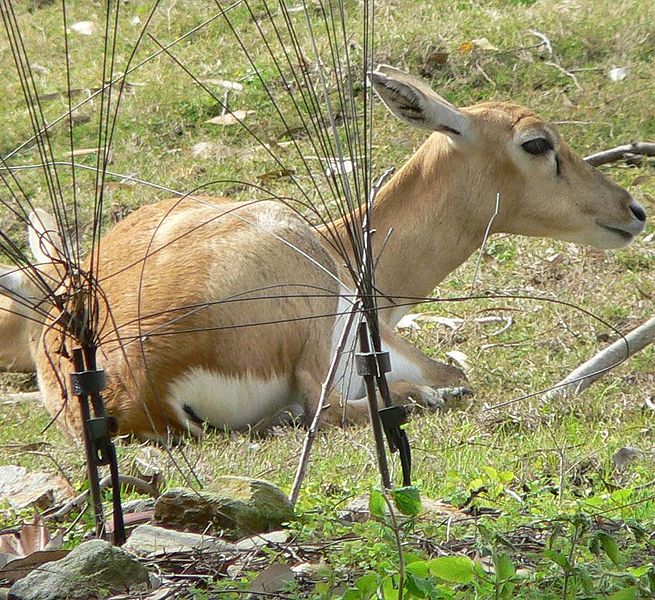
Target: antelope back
200	296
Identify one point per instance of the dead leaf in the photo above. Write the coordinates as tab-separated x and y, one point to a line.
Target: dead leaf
206	150
460	359
272	580
465	48
32	537
555	259
489	259
40	69
624	456
84	27
254	542
17	569
112	186
339	167
618	73
437	59
231	118
640	179
408	323
413	321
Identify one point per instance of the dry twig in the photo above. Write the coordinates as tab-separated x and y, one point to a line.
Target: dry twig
582	377
145	487
625	151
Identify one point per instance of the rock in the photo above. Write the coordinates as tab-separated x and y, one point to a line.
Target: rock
274	538
272	580
138	506
90	571
147	540
22	488
238	505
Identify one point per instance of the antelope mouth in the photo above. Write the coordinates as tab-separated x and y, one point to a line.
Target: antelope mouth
623	233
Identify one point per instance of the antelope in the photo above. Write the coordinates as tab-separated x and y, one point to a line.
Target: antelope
180	359
15	328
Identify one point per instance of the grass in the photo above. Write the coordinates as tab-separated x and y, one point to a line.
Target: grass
557	458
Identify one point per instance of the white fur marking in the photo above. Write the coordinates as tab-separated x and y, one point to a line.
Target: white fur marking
348	382
223	401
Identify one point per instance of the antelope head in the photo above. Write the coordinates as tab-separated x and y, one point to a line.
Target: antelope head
500	150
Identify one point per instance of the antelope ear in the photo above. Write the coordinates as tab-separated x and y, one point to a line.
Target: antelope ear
12	281
46	242
414	102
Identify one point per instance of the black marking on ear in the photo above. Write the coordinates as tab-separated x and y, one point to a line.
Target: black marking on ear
403	96
446	129
411	112
407	103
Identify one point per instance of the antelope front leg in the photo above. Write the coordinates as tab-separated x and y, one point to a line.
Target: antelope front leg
356	411
410	365
404	393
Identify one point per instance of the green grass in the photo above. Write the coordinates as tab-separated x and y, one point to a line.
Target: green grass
560	453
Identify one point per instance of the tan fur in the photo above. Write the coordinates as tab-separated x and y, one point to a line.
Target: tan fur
15	337
202	250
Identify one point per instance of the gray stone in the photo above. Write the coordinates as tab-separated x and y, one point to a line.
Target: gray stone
238	506
148	540
22	488
255	542
138	506
94	569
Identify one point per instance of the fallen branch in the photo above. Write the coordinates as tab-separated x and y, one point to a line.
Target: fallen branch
626	151
587	373
143	487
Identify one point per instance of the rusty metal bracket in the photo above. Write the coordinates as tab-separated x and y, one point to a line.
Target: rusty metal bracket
373	367
372	363
87	383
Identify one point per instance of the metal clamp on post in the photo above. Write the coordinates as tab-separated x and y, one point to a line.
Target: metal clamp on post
88	383
100	439
392	418
372	364
100	429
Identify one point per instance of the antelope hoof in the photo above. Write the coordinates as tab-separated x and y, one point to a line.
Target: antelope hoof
439	398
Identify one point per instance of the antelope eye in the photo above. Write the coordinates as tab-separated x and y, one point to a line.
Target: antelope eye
537	146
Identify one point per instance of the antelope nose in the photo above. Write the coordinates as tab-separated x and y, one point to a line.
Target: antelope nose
638	211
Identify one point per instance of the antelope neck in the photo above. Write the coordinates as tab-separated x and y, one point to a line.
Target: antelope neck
430	218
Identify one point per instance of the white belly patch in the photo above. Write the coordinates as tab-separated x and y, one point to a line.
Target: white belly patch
224	401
